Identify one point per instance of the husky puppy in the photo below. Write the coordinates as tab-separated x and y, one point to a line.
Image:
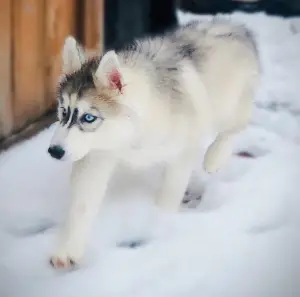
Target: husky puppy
152	102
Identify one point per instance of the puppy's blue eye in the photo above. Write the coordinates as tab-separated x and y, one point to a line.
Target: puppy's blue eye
89	118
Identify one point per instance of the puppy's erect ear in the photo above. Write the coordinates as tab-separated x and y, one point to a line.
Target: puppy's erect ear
108	73
72	55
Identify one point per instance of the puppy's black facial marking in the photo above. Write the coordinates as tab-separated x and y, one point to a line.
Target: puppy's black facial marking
66	117
70	115
74	118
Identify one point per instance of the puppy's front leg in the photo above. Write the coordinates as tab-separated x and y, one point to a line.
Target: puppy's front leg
89	181
175	181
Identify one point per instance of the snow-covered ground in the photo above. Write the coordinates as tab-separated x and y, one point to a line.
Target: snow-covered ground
242	240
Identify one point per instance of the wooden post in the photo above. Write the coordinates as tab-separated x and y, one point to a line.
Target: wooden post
93	20
6	116
28	60
60	22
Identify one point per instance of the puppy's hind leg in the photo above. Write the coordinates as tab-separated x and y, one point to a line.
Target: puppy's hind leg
220	150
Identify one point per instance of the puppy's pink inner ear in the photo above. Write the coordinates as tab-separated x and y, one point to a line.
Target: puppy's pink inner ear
115	80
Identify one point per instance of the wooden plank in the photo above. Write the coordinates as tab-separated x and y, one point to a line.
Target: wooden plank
60	22
93	25
28	60
6	119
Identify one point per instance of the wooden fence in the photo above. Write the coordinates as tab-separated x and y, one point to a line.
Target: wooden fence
32	33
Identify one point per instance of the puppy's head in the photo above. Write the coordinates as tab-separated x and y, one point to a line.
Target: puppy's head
90	110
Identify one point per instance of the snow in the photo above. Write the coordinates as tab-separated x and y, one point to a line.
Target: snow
241	240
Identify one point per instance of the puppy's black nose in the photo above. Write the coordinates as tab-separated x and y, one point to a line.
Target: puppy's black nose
56	151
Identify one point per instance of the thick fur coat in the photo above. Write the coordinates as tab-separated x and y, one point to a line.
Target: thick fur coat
152	102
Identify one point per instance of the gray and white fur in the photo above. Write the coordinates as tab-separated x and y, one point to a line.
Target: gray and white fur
152	102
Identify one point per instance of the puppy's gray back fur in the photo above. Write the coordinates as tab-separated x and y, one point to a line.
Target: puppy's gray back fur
163	57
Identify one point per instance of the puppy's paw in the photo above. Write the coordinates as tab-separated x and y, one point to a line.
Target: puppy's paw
59	262
65	259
